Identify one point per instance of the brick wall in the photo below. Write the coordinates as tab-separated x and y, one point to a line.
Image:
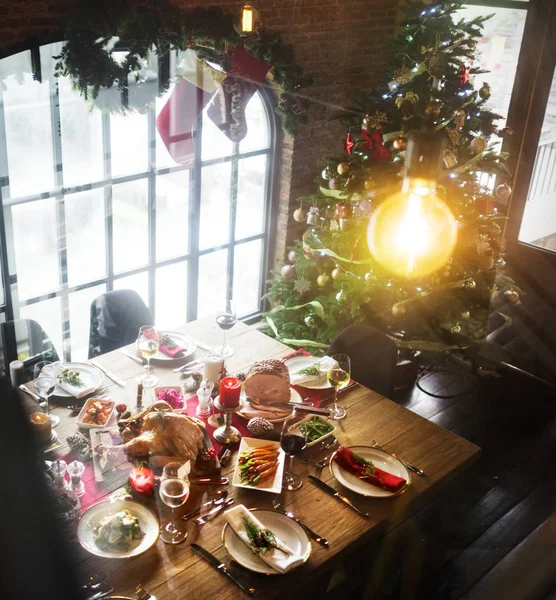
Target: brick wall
339	42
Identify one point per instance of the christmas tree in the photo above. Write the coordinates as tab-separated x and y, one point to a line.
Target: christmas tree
331	278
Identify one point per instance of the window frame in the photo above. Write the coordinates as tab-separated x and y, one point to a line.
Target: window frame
9	309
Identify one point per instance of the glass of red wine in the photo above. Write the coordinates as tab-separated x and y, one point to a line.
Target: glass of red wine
292	441
226	319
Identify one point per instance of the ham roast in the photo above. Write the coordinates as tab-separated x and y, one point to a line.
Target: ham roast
268	381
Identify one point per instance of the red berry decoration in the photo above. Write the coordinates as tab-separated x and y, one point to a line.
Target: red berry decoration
121	408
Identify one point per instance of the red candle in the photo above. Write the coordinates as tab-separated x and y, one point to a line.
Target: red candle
230	390
142	481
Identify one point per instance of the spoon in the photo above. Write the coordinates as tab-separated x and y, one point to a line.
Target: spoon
220	498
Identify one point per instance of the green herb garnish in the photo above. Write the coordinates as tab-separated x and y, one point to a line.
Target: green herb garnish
262	540
367	466
70	377
310	370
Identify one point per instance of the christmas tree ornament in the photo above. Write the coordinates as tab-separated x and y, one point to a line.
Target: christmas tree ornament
453	135
503	191
288	271
336	273
309	320
402	76
432	109
438	83
326	174
313	216
478	144
369	276
349	144
323	279
407	108
301	285
373	143
456	328
334	225
374	121
365	206
400	144
292	256
259	426
459	118
463	75
299	215
398	310
413	233
465	315
334	184
470	284
484	92
343	168
449	159
483	247
511	296
501	263
341	296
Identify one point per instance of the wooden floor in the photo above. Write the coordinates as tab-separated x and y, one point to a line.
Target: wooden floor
475	536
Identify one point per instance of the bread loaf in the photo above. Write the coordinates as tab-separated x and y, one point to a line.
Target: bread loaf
268	381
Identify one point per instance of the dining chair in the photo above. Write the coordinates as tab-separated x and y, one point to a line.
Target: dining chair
26	340
373	357
115	320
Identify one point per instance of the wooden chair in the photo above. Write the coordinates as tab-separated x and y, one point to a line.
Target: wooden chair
115	320
373	357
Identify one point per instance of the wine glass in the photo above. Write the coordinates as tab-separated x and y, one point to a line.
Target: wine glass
45	386
147	346
44	368
292	442
174	492
338	377
226	320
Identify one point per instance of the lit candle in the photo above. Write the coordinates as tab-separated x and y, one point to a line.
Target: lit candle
230	390
141	480
42	425
247	19
211	368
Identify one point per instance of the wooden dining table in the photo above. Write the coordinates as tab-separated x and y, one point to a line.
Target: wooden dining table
172	572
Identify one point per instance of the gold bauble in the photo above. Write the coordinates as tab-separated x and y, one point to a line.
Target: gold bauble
398	310
432	109
478	145
470	284
466	315
503	191
299	215
511	296
455	328
400	144
336	273
342	168
323	280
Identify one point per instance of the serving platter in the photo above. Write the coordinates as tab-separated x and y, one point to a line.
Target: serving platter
273	484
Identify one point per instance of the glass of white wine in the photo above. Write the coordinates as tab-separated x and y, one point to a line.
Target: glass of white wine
174	492
147	346
339	377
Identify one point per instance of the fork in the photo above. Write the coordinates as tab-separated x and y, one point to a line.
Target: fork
142	593
322	463
411	467
325	444
214	512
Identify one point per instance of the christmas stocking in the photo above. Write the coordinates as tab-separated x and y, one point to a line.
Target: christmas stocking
196	84
227	108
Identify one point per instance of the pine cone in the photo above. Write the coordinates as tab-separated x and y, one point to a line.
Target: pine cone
259	427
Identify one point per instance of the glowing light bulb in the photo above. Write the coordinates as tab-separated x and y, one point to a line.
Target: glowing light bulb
413	233
247	19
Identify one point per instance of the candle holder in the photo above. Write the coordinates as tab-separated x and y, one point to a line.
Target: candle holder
227	434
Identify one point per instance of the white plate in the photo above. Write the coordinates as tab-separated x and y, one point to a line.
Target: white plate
181	339
322	437
92	516
301	362
83	411
283	527
91	376
295	396
380	459
274	484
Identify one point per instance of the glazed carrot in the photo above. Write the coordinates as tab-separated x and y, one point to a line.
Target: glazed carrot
266	474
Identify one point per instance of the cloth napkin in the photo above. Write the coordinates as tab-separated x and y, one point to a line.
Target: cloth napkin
76	391
391	483
169	347
281	561
325	364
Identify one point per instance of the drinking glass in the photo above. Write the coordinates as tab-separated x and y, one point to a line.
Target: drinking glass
339	377
44	368
292	442
174	492
45	386
147	346
226	320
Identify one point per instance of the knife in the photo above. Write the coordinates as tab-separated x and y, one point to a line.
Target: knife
111	376
211	480
330	490
138	360
202	346
318	538
189	365
310	409
220	566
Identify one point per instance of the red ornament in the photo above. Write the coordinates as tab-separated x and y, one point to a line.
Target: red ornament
230	390
141	480
349	144
373	143
464	75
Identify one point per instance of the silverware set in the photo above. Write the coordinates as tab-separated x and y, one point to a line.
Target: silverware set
327	489
214	512
411	467
220	498
318	538
189	368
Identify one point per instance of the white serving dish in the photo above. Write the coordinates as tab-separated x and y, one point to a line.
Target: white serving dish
272	485
320	418
83	412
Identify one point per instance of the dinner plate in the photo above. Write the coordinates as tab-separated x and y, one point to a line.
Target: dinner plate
283	527
301	362
380	459
181	339
92	516
295	396
91	376
273	484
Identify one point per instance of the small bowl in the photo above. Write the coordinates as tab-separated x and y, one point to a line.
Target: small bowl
322	437
177	388
83	412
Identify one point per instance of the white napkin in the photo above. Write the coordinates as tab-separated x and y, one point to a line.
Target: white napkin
325	364
76	391
281	561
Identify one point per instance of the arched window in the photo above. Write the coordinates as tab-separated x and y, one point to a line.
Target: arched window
93	201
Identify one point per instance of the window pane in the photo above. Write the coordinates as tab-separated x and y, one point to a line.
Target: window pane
215	205
163	158
247	277
131	225
34	227
129	142
139	283
80	316
28	127
172	215
171	296
251	196
213	281
85	236
257	126
215	143
48	315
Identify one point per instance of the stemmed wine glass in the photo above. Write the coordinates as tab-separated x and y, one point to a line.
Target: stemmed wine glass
339	377
147	346
226	320
292	442
44	373
174	492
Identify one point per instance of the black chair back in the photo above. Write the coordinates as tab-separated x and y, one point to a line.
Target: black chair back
115	321
373	357
26	340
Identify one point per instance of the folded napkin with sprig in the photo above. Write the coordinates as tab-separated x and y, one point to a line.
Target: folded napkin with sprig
314	373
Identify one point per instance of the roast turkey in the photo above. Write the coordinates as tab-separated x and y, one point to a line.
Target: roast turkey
268	381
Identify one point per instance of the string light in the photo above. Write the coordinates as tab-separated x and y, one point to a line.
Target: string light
247	19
